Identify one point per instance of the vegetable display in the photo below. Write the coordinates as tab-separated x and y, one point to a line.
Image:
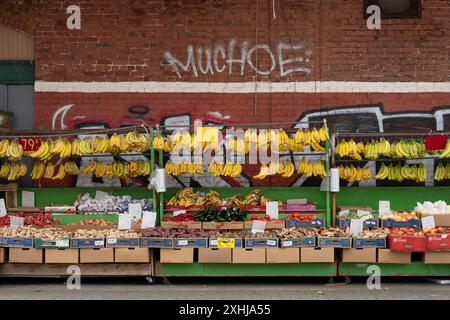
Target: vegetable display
293	233
220	215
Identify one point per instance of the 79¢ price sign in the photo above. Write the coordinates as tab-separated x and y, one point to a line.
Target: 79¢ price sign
30	144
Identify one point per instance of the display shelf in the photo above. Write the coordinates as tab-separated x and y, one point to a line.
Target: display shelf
416	268
247	270
87	270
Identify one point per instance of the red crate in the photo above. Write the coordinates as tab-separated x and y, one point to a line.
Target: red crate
407	243
438	242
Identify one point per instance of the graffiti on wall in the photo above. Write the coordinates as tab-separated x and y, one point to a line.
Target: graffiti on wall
341	119
221	58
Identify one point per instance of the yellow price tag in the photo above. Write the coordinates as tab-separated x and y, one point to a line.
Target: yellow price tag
225	243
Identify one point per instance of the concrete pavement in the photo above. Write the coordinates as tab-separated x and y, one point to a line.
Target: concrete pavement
225	288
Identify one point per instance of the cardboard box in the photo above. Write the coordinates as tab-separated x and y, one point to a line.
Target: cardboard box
191	242
232	225
132	255
226	242
298	242
249	255
297	223
435	257
354	255
182	225
317	255
369	242
2	255
388	256
87	243
283	255
157	242
70	256
97	255
440	220
212	255
269	224
438	242
17	242
368	224
122	242
261	242
411	223
334	242
407	243
26	255
175	255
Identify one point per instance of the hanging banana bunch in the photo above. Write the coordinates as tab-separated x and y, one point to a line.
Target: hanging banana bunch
183	168
351	173
229	169
442	172
312	170
417	173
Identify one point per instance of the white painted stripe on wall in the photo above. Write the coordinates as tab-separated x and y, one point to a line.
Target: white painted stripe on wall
243	87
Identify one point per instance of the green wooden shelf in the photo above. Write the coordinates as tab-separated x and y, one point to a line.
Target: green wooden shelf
416	268
247	270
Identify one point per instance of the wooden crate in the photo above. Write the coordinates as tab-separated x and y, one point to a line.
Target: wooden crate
10	190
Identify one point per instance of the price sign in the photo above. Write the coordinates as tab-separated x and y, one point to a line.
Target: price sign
225	243
30	144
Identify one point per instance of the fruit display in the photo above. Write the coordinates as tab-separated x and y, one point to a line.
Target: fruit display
301	217
334	233
402	149
286	170
187	197
114	233
373	233
93	222
160	232
183	168
109	203
21	232
417	173
183	217
293	233
399	216
266	218
275	140
352	173
438	230
13	171
445	153
89	234
356	215
407	232
312	170
226	170
257	235
442	172
220	215
34	219
438	207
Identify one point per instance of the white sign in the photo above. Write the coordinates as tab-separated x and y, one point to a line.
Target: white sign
2	208
111	240
287	243
178	212
148	219
124	221
62	243
99	195
16	222
258	226
98	242
428	222
271	242
272	209
384	207
356	226
360	213
182	242
27	199
135	210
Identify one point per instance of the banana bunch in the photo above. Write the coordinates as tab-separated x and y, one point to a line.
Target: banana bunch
350	149
99	145
62	148
38	170
407	149
49	171
158	143
354	173
185	197
138	142
71	168
268	170
442	172
117	144
312	170
140	168
400	173
60	174
45	151
90	168
446	152
85	147
183	167
14	151
256	198
13	171
4	144
288	169
374	149
227	170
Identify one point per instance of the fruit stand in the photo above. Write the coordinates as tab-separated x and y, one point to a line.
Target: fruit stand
306	230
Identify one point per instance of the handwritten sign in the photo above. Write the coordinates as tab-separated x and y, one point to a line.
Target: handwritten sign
258	226
124	221
148	219
16	222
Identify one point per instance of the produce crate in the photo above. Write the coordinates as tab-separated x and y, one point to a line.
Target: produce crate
157	242
122	242
17	242
282	255
2	255
407	243
368	224
182	225
438	242
298	242
52	244
297	223
69	256
232	225
334	242
176	255
132	255
87	243
359	255
226	243
249	255
389	223
26	255
369	242
191	243
261	242
269	225
212	255
10	191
